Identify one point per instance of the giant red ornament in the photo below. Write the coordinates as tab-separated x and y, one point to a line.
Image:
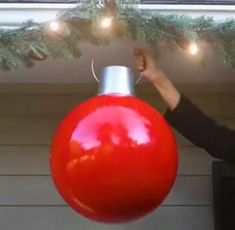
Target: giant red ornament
114	158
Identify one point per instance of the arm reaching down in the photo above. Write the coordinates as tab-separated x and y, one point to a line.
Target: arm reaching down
201	130
183	115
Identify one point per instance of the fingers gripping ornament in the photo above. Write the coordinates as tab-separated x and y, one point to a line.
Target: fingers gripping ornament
114	158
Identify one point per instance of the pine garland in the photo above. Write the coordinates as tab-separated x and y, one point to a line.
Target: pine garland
32	41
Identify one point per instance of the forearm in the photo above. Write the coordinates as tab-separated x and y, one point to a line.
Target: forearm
166	89
203	131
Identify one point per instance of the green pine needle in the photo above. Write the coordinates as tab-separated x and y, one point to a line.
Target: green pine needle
81	24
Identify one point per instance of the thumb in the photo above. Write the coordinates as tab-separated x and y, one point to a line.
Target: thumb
140	59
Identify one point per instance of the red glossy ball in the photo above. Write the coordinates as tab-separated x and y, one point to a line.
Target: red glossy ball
114	159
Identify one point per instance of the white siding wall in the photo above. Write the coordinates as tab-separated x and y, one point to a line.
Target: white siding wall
28	199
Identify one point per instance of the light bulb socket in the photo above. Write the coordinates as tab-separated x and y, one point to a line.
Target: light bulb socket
118	80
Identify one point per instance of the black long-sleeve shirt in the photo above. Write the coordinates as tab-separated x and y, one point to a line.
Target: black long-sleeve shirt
204	132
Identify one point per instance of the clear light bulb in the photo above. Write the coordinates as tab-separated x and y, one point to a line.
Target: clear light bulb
54	26
106	22
193	48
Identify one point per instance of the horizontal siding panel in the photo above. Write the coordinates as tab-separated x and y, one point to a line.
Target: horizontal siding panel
213	105
27	130
39	104
63	218
40	190
200	88
190	191
17	104
26	160
194	161
34	160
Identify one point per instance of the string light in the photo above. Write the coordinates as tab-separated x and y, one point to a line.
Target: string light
193	48
54	26
106	22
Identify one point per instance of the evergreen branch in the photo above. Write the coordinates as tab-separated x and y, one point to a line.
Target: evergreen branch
33	41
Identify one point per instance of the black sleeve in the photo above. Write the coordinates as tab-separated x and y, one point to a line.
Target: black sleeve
204	132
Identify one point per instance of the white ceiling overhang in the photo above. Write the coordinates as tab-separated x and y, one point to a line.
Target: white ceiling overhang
12	14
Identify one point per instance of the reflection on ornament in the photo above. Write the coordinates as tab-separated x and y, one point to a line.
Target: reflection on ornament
114	158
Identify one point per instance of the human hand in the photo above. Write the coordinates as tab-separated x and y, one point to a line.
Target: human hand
145	64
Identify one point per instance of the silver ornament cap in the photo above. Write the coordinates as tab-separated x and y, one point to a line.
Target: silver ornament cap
116	80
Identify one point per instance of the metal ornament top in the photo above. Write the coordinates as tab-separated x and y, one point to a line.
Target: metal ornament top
116	80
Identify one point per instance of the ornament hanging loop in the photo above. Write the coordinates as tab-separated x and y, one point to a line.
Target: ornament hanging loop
139	78
97	79
93	71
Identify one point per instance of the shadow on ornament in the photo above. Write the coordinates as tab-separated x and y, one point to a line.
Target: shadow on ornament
114	158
